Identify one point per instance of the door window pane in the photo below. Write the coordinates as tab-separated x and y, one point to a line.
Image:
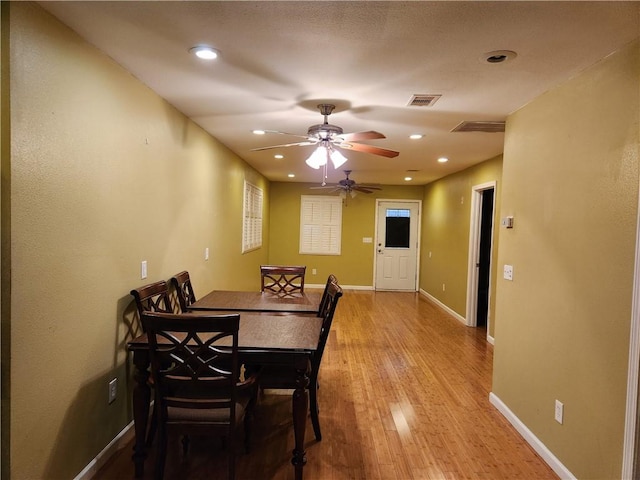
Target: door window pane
398	222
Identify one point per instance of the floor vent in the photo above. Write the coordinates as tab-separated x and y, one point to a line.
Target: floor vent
423	100
488	127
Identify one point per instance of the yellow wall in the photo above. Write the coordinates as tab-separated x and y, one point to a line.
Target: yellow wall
354	266
104	174
445	233
570	179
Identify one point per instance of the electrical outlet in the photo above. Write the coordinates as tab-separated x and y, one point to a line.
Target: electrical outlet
143	269
508	272
313	271
559	411
113	390
443	287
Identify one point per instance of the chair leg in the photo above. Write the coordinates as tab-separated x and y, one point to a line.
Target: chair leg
152	426
231	456
185	445
313	408
161	453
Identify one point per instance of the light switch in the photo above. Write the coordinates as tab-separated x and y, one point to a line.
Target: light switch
206	253
143	269
367	240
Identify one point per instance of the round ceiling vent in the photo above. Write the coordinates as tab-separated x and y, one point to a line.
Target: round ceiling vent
498	56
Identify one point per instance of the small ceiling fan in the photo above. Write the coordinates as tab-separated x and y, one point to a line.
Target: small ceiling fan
332	137
348	186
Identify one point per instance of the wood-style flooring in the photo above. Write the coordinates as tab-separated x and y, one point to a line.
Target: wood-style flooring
404	394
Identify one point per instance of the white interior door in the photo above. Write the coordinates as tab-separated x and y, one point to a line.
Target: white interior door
397	245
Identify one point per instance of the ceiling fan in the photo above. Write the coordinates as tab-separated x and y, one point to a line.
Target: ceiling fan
348	186
331	138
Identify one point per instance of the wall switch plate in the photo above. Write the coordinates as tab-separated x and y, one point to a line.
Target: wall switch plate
313	271
559	413
507	222
143	269
367	240
206	253
508	272
113	390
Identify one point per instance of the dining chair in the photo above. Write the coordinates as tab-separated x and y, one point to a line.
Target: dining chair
194	359
181	282
272	377
152	298
282	279
324	299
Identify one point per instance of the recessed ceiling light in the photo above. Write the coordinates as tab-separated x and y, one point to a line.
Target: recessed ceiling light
291	175
259	132
416	136
204	52
278	156
498	56
443	160
408	179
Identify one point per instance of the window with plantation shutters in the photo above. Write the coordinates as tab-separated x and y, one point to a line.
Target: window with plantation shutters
320	225
252	218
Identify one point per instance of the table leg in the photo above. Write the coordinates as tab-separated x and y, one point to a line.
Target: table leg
141	399
300	407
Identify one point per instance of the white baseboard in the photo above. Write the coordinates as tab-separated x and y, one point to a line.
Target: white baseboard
443	306
116	444
549	458
491	340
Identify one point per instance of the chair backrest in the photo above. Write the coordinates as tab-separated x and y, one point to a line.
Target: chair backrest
334	292
282	279
152	298
194	361
184	290
324	300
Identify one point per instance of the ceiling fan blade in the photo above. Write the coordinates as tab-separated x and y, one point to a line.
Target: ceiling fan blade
326	187
368	187
296	144
286	133
362	147
363	190
359	136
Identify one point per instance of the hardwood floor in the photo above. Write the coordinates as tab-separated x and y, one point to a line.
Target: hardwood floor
404	394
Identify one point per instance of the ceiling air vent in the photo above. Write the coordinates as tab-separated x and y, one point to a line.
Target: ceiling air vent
423	100
488	127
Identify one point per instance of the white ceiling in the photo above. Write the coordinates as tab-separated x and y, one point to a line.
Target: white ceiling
280	59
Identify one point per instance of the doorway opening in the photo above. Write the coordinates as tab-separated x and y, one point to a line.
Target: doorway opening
480	253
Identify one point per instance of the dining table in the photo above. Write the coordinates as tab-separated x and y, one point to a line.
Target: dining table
263	339
254	301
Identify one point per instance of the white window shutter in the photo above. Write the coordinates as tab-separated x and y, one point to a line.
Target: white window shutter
320	225
252	218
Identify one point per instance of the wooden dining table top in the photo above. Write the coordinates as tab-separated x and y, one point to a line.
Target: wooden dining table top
268	333
307	302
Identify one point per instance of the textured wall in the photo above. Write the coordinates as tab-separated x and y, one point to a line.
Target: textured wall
445	233
104	174
570	178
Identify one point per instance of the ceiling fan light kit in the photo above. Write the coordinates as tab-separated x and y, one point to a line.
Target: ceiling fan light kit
321	155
